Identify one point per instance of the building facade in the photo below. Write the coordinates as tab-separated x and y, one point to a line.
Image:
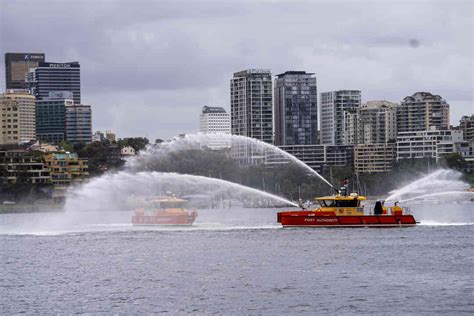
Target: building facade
215	121
466	125
374	158
334	106
66	168
375	122
319	157
18	118
251	104
21	166
17	66
51	119
296	109
78	124
431	143
48	77
421	111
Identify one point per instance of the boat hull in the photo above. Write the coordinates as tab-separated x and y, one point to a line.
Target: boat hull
310	219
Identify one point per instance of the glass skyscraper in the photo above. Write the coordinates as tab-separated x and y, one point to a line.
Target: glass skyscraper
296	109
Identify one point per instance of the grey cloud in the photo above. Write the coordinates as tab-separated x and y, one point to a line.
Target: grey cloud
148	56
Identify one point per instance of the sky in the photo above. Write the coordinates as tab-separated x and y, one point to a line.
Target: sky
148	67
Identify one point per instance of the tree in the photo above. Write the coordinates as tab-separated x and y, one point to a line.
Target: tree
455	161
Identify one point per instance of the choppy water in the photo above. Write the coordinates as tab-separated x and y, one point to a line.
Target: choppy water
235	262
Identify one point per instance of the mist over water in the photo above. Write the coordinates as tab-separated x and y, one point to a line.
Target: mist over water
126	191
439	185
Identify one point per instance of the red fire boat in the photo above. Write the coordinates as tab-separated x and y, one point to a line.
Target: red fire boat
164	211
347	211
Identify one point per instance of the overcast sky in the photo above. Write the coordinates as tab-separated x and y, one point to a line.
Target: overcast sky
148	67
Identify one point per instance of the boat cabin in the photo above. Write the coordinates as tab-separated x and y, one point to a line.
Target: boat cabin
341	205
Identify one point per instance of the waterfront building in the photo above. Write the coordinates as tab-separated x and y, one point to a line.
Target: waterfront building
78	124
421	111
66	168
334	106
318	157
374	158
21	166
375	122
48	77
18	119
127	151
251	104
431	143
215	120
296	110
17	66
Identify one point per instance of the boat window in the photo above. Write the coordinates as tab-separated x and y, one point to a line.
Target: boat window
171	204
347	203
327	203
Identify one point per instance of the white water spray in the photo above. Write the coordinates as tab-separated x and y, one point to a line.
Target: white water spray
199	141
125	191
438	183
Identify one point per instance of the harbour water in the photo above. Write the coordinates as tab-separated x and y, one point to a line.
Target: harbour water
236	261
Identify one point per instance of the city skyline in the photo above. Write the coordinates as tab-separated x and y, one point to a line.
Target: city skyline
385	59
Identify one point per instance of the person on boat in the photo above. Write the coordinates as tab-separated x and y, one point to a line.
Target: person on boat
378	208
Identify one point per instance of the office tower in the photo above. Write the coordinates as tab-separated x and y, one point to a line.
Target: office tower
374	122
78	124
251	104
51	117
334	106
296	110
18	121
421	111
215	121
17	66
49	77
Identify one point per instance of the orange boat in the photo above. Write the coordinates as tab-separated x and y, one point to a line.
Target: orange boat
347	211
164	211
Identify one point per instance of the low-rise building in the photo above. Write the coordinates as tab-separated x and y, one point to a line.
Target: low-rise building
318	157
431	143
22	166
373	158
127	151
66	168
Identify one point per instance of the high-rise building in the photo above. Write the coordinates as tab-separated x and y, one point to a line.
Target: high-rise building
215	121
375	122
49	77
18	121
79	124
334	106
51	119
59	119
17	66
421	111
466	125
251	104
296	108
110	136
